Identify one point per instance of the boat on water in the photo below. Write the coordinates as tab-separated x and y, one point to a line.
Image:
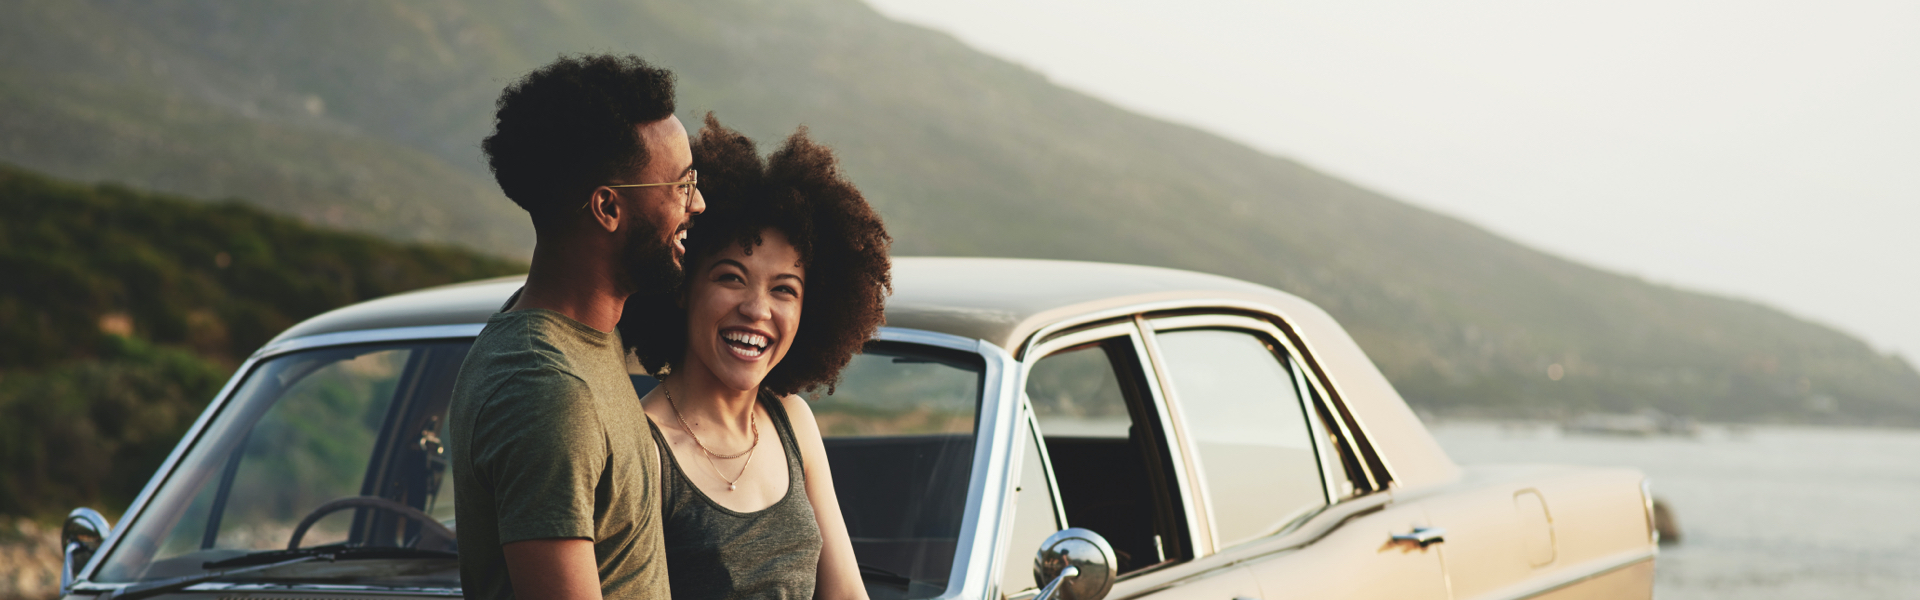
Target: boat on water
1644	423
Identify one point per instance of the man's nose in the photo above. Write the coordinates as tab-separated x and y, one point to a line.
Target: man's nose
699	204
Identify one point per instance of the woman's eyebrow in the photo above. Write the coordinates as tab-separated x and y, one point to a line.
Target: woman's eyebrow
726	261
794	277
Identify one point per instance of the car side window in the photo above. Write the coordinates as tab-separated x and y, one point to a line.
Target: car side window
1242	410
1109	459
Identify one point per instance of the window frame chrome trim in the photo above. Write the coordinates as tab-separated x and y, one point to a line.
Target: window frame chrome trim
1196	492
1068	337
1176	430
1321	443
364	336
1075	338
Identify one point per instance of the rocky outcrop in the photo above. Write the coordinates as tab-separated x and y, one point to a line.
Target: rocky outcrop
29	561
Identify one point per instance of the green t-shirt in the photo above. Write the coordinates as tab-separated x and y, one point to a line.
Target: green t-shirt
549	442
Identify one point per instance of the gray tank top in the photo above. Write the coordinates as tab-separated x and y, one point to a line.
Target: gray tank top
715	553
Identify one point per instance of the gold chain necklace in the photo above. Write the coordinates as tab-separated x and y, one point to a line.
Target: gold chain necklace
752	423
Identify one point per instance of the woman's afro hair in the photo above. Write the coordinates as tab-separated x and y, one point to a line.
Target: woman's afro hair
799	191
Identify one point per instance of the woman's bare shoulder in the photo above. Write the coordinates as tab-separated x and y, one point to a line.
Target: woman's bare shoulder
800	414
798	411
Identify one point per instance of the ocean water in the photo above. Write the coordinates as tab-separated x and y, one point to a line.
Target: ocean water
1764	512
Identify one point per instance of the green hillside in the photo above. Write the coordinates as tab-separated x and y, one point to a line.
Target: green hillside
367	114
123	312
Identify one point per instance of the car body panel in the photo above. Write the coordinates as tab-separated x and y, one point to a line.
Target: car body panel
1496	552
1633	580
1356	559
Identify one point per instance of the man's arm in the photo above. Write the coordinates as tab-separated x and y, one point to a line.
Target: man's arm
553	569
540	445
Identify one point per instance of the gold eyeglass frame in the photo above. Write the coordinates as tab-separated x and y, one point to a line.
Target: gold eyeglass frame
692	182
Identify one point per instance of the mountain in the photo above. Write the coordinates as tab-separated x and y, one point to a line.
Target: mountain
122	313
367	114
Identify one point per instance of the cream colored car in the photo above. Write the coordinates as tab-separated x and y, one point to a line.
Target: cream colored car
1120	431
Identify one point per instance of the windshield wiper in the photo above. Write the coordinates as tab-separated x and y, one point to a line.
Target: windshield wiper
162	586
332	553
879	575
262	561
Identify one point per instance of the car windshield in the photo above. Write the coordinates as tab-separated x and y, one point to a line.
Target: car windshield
341	450
302	431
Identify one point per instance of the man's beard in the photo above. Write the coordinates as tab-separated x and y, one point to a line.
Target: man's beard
649	263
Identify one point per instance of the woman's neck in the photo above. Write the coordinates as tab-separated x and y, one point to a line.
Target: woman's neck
703	401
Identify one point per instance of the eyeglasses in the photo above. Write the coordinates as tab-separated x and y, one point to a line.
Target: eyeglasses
687	187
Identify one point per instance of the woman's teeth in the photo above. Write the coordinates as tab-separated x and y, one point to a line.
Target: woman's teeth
747	344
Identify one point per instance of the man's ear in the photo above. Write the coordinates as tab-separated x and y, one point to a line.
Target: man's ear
604	207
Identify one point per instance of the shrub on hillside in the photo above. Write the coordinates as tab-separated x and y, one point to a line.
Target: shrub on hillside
122	313
91	432
84	263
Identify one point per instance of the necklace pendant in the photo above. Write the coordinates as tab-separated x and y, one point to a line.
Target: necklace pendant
729	487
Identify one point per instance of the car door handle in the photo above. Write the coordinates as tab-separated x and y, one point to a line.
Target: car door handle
1424	536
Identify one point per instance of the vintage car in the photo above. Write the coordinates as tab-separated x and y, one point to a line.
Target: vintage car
1149	433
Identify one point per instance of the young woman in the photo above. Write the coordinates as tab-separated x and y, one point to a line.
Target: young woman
786	275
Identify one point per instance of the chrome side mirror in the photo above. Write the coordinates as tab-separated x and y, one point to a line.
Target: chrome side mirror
80	537
1074	564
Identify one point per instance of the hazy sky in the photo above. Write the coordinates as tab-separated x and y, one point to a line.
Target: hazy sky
1761	149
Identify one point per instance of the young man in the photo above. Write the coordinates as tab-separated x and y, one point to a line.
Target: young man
556	476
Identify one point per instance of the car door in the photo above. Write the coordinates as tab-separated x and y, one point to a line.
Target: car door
1103	447
1278	486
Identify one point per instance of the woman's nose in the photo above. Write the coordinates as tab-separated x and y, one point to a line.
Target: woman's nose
757	307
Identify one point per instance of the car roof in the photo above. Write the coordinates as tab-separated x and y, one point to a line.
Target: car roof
1005	301
1000	300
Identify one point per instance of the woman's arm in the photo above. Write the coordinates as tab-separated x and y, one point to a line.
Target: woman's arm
839	577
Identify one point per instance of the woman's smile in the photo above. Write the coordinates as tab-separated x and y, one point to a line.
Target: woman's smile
744	343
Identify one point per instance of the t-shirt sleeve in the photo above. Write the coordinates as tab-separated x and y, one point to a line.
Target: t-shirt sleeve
541	445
